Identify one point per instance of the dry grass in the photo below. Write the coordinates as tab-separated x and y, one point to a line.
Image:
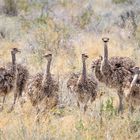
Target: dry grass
68	123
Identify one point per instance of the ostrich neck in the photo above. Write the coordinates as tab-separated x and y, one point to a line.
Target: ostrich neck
13	62
105	66
47	74
105	56
48	68
134	80
84	71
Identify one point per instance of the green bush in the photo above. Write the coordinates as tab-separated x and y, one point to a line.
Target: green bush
109	108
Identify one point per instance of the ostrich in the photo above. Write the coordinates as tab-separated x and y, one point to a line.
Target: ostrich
115	75
8	77
84	87
15	77
21	79
133	93
43	89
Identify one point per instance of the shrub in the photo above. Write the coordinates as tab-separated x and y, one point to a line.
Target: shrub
85	18
109	108
10	7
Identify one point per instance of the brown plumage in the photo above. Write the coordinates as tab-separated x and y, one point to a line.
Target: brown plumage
72	81
114	72
6	81
132	93
117	62
8	77
84	87
42	88
21	81
125	62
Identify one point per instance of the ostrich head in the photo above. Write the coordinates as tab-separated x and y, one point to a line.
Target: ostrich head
15	50
48	56
135	70
105	39
84	57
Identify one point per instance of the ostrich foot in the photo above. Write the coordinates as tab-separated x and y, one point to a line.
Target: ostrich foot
11	109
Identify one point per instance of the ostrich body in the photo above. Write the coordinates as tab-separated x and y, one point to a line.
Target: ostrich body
133	94
42	88
115	75
21	81
84	87
117	63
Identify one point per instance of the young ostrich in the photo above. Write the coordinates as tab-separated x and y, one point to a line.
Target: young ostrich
21	79
43	89
133	94
84	87
114	76
8	77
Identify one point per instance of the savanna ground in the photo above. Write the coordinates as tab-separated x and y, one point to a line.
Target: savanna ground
67	28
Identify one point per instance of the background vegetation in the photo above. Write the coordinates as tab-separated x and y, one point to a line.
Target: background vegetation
68	28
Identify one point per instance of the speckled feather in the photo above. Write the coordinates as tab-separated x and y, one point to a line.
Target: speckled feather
38	93
88	88
22	77
120	71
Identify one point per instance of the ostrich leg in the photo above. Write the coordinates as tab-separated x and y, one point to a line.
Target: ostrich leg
131	108
3	101
17	94
85	108
13	105
78	104
120	95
